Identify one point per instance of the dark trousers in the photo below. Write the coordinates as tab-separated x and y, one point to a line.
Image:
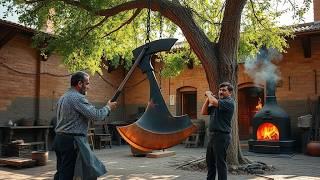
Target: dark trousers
216	156
66	152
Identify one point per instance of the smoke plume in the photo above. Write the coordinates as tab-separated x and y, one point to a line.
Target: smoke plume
261	68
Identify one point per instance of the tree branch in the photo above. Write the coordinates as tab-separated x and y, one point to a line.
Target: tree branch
220	20
255	15
135	14
293	6
94	26
204	19
123	7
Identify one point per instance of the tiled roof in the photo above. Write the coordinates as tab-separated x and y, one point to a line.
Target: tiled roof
16	26
307	27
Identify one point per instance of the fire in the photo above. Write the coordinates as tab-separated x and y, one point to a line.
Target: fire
259	106
267	131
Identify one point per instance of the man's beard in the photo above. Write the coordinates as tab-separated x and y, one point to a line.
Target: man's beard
83	91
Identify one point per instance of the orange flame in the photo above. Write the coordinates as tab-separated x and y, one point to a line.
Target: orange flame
267	131
259	106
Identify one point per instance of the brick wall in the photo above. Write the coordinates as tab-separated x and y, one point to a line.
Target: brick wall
19	90
302	71
300	76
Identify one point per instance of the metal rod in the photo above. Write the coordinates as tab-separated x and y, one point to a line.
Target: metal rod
135	64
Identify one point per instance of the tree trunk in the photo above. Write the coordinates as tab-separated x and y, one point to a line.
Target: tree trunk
219	62
228	67
198	41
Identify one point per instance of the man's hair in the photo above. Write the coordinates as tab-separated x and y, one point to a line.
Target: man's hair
78	76
228	85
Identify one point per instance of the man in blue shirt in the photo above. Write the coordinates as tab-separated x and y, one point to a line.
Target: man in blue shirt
73	115
221	111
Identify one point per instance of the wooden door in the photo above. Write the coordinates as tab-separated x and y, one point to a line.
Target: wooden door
189	104
248	100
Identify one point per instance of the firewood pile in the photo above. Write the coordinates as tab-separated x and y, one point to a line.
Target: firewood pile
18	149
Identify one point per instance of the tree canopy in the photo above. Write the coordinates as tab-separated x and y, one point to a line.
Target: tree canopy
85	31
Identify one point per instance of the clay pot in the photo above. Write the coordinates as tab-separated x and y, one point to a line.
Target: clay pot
313	148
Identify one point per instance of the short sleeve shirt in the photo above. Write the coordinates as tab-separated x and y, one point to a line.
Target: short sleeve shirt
221	116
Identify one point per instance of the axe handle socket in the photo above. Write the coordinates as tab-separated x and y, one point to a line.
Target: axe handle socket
115	96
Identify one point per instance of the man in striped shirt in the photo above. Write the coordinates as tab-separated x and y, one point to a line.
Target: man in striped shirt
73	115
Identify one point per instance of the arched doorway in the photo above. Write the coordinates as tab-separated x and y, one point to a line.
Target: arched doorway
187	101
250	101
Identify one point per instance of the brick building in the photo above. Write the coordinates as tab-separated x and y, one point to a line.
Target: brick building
31	84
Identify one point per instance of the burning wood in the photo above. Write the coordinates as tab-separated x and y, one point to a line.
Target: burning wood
268	131
259	105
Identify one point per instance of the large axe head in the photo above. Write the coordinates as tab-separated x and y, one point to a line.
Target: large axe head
156	128
155	46
152	48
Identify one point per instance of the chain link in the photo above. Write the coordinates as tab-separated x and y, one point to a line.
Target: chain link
160	53
161	25
148	22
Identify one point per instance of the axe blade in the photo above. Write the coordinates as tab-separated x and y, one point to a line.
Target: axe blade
155	46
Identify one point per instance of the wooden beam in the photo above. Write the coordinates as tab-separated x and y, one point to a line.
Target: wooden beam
306	45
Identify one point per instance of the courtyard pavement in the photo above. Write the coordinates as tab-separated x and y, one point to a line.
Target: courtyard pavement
122	165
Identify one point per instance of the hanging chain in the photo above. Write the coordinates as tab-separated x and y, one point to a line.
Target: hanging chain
160	54
148	22
161	25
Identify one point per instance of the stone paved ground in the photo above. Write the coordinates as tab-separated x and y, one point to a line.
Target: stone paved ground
122	166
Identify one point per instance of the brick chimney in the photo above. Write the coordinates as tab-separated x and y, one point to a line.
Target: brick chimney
316	10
